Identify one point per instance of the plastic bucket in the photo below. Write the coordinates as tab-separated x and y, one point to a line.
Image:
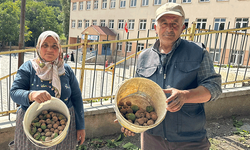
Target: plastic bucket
35	109
141	92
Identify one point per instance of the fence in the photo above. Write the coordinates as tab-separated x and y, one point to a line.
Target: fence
227	48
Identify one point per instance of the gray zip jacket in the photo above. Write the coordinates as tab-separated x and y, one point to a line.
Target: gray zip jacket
187	66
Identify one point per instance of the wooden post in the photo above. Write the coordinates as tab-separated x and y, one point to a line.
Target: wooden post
84	52
192	31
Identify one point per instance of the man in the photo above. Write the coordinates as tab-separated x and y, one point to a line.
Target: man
185	72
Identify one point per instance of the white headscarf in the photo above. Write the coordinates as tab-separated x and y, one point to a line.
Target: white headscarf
49	71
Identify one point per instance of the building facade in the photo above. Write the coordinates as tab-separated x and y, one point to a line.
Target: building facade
140	17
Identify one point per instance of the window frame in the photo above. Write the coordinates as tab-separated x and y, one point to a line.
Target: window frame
242	22
143	24
119	46
111	23
74	6
73	23
95	22
104	4
122	2
187	1
204	1
152	24
102	23
157	2
133	3
140	46
144	2
112	3
128	46
131	24
172	1
95	4
201	22
88	5
121	24
219	22
86	24
81	5
78	23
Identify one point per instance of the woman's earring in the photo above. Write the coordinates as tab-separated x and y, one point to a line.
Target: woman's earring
41	64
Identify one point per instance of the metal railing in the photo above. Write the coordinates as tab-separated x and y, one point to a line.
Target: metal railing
98	83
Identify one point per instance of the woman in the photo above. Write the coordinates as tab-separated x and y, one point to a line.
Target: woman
39	79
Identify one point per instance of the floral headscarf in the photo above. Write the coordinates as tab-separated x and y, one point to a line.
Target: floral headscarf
49	71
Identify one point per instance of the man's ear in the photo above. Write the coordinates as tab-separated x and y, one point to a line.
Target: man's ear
155	29
183	27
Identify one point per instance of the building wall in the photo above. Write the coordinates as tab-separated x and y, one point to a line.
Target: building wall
195	10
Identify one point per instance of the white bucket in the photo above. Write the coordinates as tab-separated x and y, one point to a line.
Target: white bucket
35	109
141	92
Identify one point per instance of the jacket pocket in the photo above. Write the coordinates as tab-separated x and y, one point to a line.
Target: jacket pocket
188	66
146	72
191	119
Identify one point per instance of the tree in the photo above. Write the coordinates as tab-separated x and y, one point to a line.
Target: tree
41	18
9	22
65	16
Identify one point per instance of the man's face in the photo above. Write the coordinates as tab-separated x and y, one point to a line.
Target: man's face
169	28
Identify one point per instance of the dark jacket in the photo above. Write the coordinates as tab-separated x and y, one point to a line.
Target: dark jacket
180	72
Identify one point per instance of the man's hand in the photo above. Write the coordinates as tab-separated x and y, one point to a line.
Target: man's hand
125	131
176	100
39	96
80	136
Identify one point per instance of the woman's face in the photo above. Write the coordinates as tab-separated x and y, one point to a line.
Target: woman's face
49	50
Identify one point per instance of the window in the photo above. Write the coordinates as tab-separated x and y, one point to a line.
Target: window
104	4
94	22
204	0
241	23
237	57
144	2
120	24
129	46
73	24
102	23
79	23
132	3
86	23
186	1
119	46
201	23
131	24
88	5
111	24
216	55
222	0
140	47
152	24
219	23
112	4
96	4
186	23
143	24
172	1
122	3
74	6
80	5
157	2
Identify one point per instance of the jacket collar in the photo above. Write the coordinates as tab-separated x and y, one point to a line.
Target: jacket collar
157	44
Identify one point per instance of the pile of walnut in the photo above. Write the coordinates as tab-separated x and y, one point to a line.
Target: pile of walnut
137	115
47	125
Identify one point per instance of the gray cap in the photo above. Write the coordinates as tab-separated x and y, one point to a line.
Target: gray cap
169	8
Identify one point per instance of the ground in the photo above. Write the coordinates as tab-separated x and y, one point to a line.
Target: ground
222	134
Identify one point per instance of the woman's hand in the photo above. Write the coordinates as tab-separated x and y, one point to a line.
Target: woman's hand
125	131
81	136
39	96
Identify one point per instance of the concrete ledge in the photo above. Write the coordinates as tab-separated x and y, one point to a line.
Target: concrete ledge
99	119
